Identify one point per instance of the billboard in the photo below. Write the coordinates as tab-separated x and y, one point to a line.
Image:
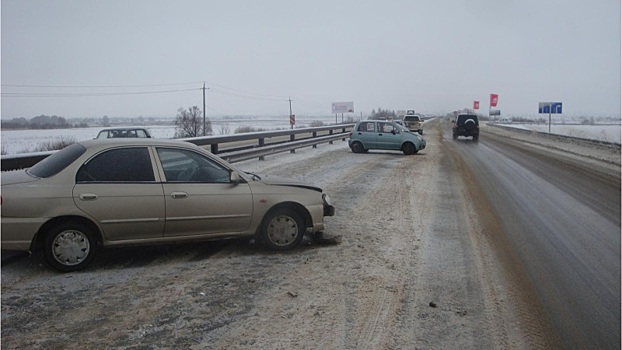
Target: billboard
342	107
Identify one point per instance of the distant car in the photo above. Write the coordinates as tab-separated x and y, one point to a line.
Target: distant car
134	191
388	135
414	122
123	133
466	125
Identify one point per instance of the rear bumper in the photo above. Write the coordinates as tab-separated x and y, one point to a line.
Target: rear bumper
18	233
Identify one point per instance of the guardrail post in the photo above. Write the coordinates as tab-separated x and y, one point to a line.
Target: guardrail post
292	137
330	132
214	148
314	136
262	142
344	132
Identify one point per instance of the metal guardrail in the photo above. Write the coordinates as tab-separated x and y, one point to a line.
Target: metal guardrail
558	137
235	148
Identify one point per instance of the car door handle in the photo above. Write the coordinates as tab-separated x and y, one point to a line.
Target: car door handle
88	196
178	195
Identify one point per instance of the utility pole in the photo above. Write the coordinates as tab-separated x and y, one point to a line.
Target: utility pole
290	112
203	108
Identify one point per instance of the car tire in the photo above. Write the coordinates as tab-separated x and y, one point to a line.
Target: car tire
69	246
282	229
357	147
470	124
455	136
408	148
420	132
475	138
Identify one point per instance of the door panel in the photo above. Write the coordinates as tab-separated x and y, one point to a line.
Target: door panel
124	211
117	187
386	138
199	195
207	208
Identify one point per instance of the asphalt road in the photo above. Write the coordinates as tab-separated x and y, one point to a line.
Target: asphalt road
561	219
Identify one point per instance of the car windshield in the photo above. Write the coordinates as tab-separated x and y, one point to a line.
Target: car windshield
58	161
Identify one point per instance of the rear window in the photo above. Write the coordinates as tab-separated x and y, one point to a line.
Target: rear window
412	118
58	161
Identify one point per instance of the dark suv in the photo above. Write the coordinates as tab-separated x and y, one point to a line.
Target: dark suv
466	125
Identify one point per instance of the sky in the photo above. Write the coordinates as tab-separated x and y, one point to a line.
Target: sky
120	58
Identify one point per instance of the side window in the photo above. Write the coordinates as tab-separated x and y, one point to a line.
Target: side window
187	166
385	127
118	165
369	126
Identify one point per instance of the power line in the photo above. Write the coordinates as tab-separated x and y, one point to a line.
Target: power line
90	94
233	91
240	95
95	86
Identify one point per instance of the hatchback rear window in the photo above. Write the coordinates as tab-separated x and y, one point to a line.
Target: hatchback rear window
56	162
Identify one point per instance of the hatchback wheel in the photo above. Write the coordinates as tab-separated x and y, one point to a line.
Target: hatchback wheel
357	147
282	229
69	246
408	148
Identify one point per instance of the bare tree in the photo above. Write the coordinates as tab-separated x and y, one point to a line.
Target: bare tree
224	129
189	123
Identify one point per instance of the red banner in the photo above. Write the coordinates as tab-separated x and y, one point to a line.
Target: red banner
475	104
494	98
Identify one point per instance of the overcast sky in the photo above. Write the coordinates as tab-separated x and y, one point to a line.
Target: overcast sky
86	58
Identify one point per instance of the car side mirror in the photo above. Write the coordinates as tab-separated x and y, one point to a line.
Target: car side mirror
236	178
393	132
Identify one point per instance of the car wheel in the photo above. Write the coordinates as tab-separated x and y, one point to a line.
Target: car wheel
455	136
420	132
282	229
69	246
408	148
475	137
469	124
357	147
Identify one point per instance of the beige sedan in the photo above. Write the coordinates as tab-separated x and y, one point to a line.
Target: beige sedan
134	191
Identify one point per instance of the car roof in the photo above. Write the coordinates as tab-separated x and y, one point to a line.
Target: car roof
124	128
120	142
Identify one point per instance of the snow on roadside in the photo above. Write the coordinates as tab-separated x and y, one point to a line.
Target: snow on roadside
607	133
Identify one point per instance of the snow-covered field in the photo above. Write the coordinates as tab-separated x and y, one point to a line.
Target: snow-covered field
608	133
25	141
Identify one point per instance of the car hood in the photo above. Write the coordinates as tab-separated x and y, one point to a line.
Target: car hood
17	177
283	181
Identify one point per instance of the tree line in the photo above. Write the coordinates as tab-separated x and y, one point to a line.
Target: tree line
40	122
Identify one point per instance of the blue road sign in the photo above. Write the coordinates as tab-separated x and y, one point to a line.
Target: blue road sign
550	108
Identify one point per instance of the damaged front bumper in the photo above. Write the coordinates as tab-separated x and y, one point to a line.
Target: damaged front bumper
329	209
